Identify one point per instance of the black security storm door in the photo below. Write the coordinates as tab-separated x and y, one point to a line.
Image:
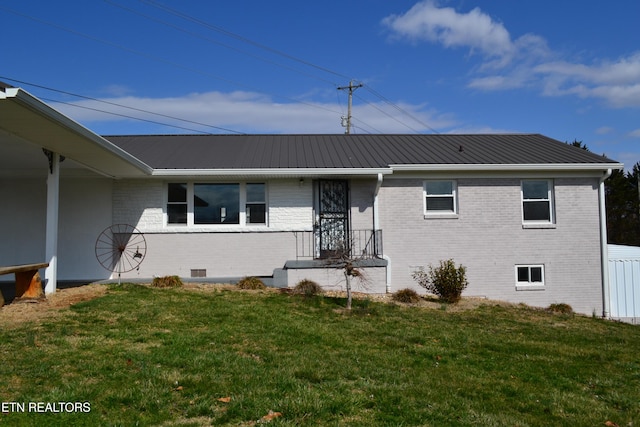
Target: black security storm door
333	216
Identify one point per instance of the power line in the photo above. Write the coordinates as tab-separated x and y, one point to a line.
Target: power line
278	52
121	106
166	61
124	115
240	38
229	34
388	115
401	110
216	42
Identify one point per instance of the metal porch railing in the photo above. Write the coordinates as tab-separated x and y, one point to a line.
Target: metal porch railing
362	244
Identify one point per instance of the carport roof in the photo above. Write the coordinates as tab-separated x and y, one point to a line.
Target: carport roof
26	119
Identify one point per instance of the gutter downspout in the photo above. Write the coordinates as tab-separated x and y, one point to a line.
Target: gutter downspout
604	250
376	226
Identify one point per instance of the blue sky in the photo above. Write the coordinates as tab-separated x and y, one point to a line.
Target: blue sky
567	69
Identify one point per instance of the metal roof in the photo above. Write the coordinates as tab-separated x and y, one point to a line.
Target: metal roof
254	152
27	125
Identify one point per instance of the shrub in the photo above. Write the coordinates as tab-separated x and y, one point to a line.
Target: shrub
407	296
167	282
307	288
446	281
560	308
251	282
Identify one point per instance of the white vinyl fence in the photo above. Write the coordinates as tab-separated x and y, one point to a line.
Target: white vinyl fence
624	283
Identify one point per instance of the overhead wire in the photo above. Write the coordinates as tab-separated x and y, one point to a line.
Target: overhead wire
288	56
402	110
210	40
128	117
228	33
239	37
166	61
115	104
389	115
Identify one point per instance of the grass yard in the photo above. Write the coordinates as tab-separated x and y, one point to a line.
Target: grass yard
177	357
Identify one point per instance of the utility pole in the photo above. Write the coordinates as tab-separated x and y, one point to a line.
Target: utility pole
346	121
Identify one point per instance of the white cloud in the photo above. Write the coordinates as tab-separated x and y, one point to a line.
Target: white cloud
475	29
604	130
635	133
510	63
617	83
249	112
117	90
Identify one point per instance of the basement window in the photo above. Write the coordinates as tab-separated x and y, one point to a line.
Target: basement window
530	276
198	272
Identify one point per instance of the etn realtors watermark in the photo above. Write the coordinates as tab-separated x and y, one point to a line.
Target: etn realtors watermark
46	407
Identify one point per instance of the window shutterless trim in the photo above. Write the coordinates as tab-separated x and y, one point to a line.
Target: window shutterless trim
453	195
549	199
190	223
530	277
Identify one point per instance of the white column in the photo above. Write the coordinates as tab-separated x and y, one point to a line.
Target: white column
51	240
604	249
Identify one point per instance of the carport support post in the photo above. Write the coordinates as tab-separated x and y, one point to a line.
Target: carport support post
51	243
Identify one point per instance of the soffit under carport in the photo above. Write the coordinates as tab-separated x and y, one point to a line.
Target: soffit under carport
24	118
20	158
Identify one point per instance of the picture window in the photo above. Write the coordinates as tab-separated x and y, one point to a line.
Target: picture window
203	204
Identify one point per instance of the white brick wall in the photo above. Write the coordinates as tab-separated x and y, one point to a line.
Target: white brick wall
139	203
362	203
488	238
290	204
227	251
222	251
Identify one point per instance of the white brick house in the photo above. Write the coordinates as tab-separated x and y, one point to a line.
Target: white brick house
523	213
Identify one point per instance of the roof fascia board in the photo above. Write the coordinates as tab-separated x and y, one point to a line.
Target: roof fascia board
507	167
282	172
50	113
498	175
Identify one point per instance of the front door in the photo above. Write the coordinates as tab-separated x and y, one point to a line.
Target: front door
333	216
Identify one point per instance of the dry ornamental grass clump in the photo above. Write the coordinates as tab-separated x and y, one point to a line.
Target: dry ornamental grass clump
307	288
560	308
251	283
407	296
167	282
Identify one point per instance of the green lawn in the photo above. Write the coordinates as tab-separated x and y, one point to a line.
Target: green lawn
145	356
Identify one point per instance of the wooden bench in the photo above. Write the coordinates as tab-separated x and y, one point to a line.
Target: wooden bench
28	282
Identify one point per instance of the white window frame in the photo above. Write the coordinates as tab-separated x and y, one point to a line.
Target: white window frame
549	199
190	207
529	284
440	213
168	203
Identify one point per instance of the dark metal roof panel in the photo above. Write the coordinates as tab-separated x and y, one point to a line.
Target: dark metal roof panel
347	151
